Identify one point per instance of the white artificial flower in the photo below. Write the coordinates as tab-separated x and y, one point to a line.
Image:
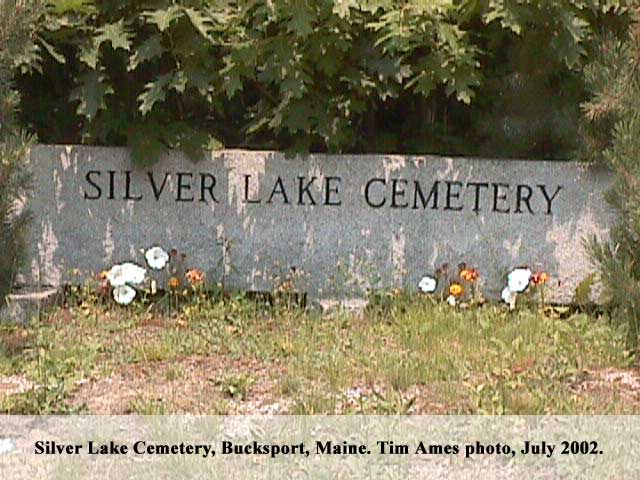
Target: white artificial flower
509	297
126	273
506	295
7	445
518	280
427	284
156	258
124	294
451	300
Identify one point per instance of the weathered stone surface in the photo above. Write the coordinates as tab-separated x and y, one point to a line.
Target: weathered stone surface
23	306
342	223
352	305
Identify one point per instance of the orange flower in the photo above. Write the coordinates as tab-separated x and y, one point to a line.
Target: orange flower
174	283
539	278
456	289
195	276
469	274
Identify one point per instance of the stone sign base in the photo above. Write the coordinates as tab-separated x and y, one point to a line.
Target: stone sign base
23	306
334	226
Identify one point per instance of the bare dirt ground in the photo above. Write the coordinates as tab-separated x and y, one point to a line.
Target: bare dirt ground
422	359
192	392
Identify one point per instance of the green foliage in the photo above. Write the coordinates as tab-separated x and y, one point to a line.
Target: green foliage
18	52
615	110
584	290
337	76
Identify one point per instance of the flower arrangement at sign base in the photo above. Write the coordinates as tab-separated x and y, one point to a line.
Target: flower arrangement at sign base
522	280
430	283
461	288
166	271
195	277
156	258
469	278
124	281
456	291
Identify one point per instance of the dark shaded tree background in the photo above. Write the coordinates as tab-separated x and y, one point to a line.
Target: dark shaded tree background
473	77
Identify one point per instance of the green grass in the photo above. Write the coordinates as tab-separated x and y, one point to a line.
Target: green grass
142	406
407	355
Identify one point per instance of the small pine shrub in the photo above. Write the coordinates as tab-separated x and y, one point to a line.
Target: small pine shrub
14	182
18	53
614	111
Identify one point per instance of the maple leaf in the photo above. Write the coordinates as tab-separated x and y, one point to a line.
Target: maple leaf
163	18
301	21
156	91
115	34
149	49
90	93
201	23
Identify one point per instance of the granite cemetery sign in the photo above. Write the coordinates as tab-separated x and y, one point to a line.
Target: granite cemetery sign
342	223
